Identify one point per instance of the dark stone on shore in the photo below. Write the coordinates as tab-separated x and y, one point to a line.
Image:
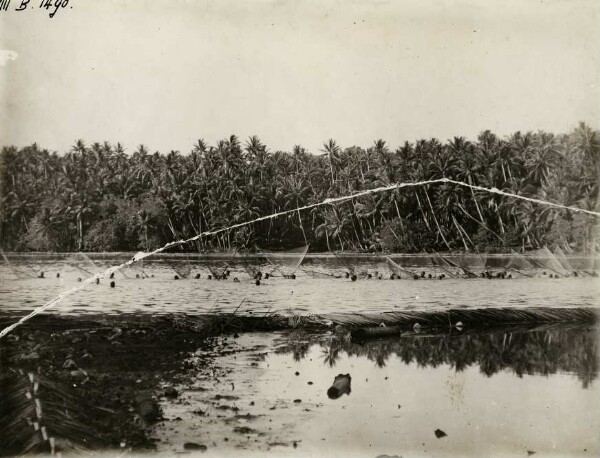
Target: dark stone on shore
340	386
146	407
112	284
243	430
171	392
297	401
297	373
194	446
439	433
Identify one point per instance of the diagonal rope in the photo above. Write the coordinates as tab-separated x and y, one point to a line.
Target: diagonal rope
332	200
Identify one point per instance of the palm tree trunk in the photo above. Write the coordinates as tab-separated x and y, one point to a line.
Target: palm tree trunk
398	213
422	211
436	221
79	232
476	203
460	233
482	224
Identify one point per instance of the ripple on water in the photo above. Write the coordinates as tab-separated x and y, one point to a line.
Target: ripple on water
304	295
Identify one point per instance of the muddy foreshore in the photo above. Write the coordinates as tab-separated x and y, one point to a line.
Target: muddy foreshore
75	384
103	377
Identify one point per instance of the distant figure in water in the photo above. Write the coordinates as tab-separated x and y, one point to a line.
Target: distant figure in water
112	275
551	276
430	276
575	274
236	280
267	276
78	279
557	276
112	284
423	274
392	277
380	277
57	274
257	282
41	275
442	276
209	277
544	272
509	276
347	275
176	277
399	277
482	274
369	276
97	281
137	275
353	277
197	276
293	276
416	277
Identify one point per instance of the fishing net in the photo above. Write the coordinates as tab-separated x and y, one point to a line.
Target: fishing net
472	261
219	262
517	263
442	263
460	267
19	273
81	264
397	269
592	262
560	256
251	262
285	262
181	267
546	260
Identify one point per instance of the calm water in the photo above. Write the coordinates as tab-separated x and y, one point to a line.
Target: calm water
491	394
314	290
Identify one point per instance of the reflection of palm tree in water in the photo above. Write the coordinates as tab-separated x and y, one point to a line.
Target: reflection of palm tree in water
331	352
297	343
539	351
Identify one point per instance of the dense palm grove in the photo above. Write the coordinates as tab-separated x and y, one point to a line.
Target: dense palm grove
98	197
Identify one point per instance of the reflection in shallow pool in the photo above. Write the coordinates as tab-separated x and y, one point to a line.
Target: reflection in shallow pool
501	393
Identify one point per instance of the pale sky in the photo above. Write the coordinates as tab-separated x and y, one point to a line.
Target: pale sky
165	73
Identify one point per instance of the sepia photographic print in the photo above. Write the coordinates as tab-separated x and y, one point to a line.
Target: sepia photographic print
287	228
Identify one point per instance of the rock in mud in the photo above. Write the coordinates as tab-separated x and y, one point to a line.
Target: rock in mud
243	430
194	446
439	433
146	407
341	385
171	392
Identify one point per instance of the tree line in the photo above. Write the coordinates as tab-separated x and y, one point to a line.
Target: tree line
100	198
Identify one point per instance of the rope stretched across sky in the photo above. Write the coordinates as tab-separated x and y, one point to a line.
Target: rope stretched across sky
332	200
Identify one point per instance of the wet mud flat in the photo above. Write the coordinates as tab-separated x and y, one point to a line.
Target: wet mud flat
170	385
97	381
